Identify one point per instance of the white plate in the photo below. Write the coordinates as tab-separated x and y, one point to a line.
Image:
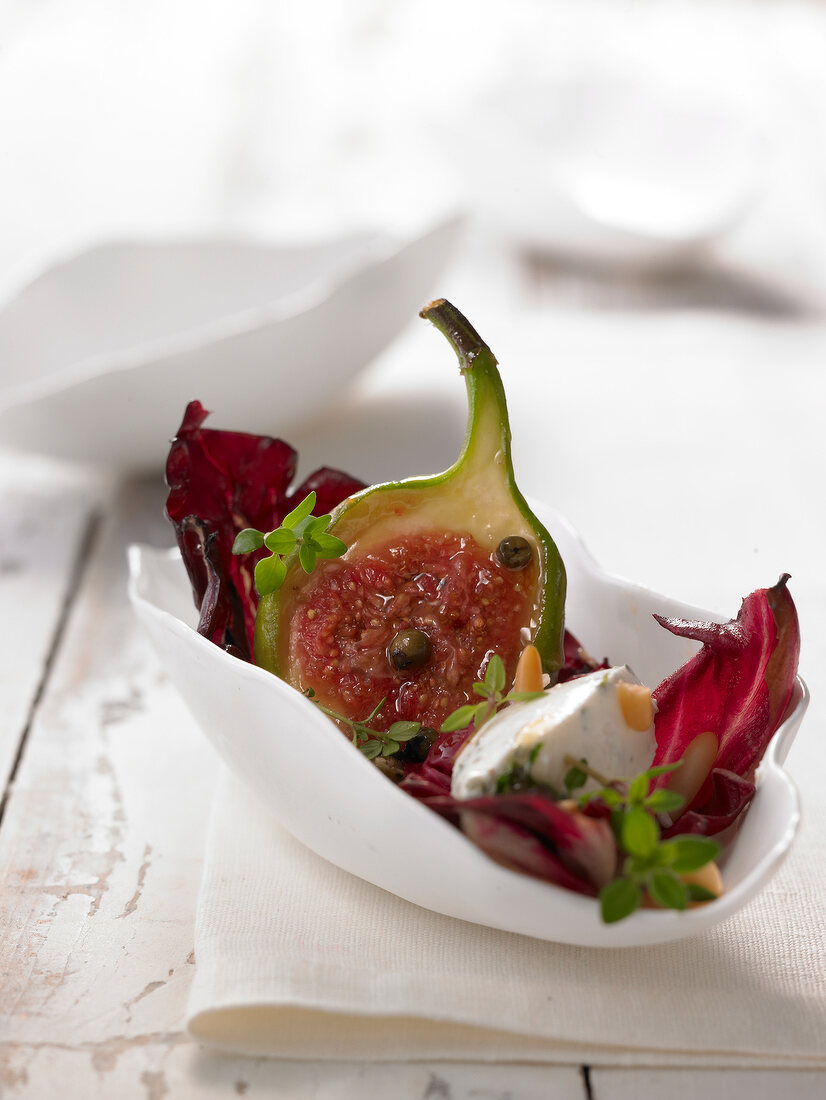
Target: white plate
101	354
337	803
610	167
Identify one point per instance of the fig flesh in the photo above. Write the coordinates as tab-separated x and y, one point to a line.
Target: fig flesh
424	555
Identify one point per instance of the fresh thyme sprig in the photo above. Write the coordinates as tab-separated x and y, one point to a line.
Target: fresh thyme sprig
299	528
490	689
371	742
651	865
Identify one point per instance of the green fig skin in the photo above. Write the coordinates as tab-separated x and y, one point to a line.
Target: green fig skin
476	495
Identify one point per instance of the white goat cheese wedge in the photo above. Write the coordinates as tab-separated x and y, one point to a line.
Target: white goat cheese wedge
581	718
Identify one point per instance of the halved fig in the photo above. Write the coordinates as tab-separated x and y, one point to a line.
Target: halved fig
455	567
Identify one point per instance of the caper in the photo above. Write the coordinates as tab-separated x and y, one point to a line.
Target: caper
514	552
418	747
409	649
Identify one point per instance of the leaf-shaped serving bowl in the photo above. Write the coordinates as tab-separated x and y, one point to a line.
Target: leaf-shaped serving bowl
336	802
123	335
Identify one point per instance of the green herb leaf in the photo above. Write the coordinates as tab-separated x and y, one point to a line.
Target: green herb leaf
490	689
307	557
667	890
495	673
639	833
300	512
369	741
318	524
618	900
663	769
403	731
610	797
649	863
247	540
375	710
637	867
535	751
638	789
269	575
606	794
270	572
699	893
328	546
280	541
459	719
663	855
300	529
693	852
575	778
664	801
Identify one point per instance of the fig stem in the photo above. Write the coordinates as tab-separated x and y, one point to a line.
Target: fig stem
464	338
487	445
488	427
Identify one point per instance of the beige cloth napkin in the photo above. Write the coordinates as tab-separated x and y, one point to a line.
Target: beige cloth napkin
295	958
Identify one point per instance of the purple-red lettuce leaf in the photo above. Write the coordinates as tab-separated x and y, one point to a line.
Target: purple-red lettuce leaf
219	483
433	775
728	797
738	686
520	850
577	661
531	832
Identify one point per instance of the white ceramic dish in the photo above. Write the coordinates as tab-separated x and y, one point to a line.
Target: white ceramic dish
610	167
333	800
101	354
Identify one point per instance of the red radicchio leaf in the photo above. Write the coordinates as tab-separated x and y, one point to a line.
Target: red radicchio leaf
738	686
519	849
219	483
433	776
535	834
577	661
730	795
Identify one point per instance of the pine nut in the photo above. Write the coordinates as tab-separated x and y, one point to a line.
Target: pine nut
529	670
698	760
636	706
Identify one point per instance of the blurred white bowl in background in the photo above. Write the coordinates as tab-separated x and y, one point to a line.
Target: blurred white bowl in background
609	167
100	355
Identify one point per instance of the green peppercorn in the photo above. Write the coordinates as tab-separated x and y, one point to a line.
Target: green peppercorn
409	649
514	552
418	747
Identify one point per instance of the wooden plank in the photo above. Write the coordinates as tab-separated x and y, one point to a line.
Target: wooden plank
710	1084
99	851
43	536
165	1068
